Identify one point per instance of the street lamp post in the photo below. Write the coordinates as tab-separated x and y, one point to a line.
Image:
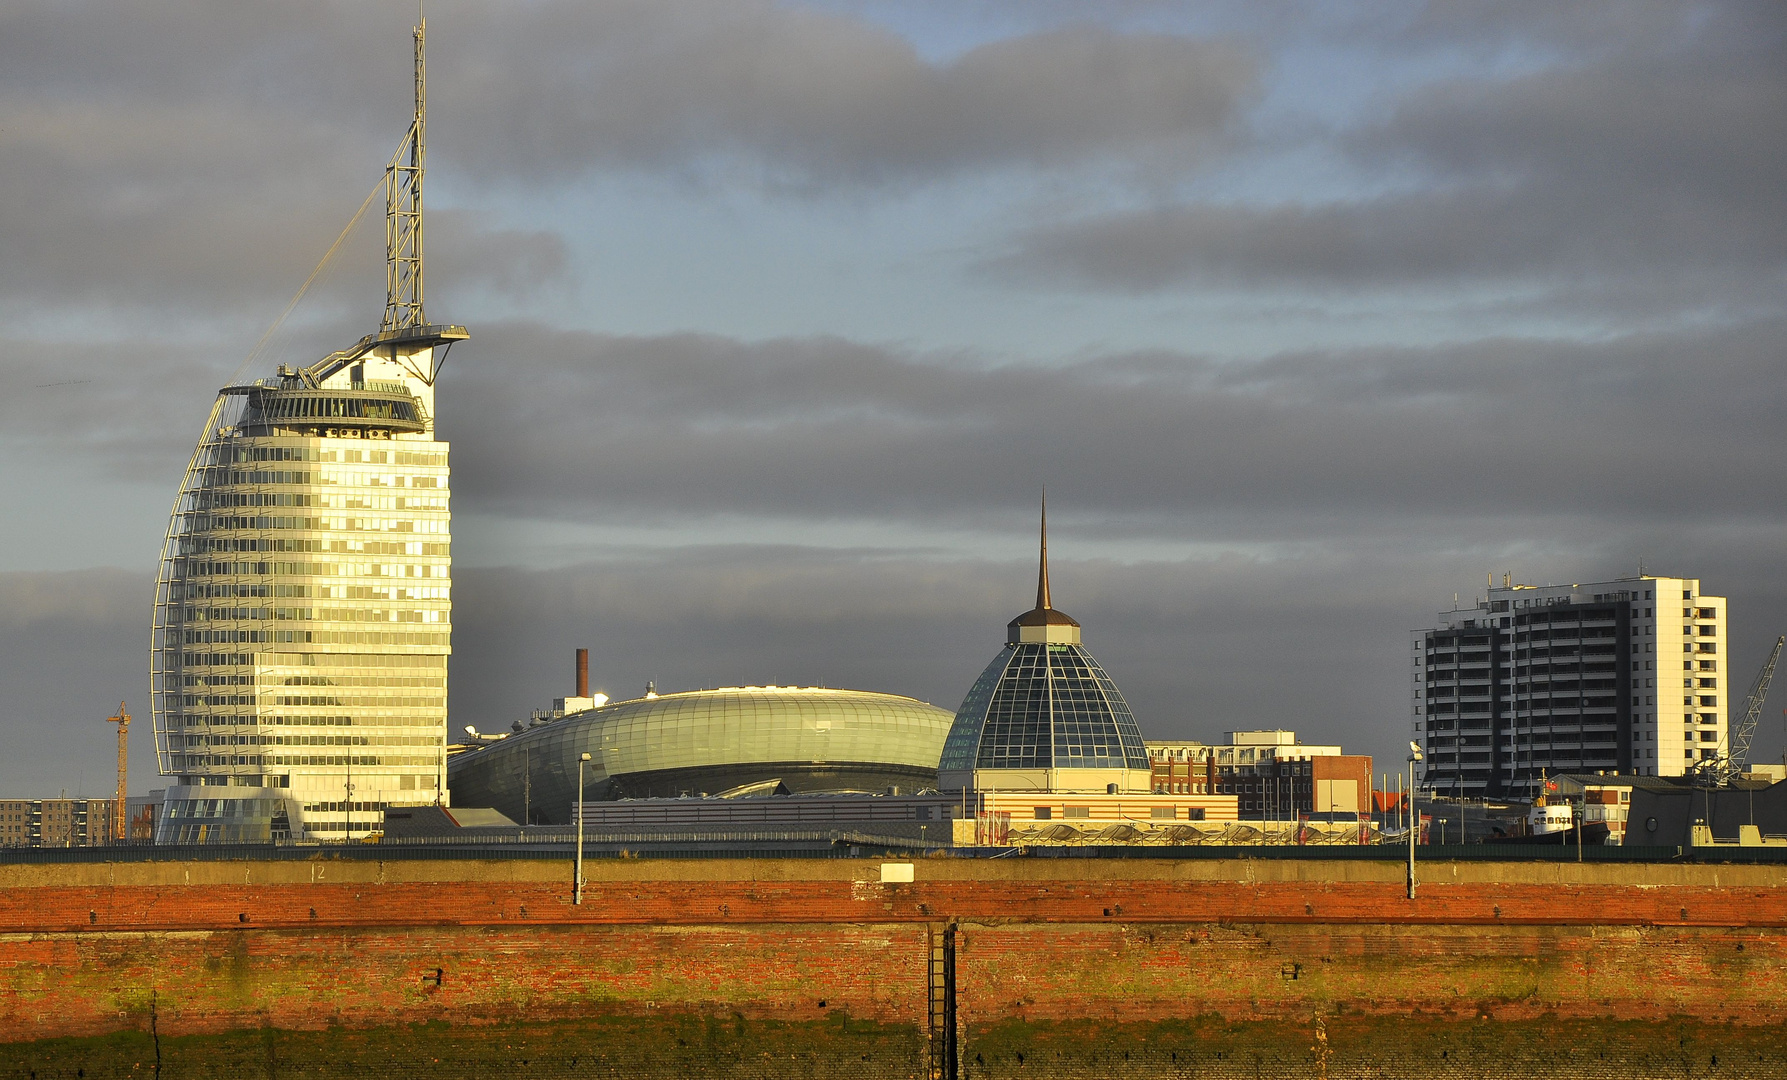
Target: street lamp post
1414	818
577	885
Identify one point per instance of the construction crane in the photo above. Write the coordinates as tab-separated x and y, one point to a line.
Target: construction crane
120	819
1746	728
1720	771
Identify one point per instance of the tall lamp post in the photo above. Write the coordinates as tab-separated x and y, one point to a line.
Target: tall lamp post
1414	818
577	885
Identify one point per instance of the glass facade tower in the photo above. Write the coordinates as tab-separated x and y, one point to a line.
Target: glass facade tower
303	609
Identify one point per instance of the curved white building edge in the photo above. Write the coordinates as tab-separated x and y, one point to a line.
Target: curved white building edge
303	608
303	613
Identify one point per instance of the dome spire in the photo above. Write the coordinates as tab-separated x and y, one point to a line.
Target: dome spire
1043	622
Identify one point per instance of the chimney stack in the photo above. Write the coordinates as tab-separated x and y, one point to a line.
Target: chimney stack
583	673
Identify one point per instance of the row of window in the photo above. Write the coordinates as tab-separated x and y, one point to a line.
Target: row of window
311	637
339	615
386	701
200	761
198	523
329	660
273	679
190	545
200	741
178	720
203	569
248	454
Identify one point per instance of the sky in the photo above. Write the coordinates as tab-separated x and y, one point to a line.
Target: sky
1309	316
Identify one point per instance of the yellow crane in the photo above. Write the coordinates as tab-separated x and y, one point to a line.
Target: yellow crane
120	820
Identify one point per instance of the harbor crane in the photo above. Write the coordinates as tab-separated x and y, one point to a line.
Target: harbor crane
120	817
1721	770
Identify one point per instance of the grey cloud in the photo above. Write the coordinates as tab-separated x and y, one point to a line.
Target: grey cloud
817	99
530	91
104	209
1314	641
585	427
1653	162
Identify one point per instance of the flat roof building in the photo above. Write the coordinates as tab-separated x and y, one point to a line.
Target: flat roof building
1273	775
56	822
1570	678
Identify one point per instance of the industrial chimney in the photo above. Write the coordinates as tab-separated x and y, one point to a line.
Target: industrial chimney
583	700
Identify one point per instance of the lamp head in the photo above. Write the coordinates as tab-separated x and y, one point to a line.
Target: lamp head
582	757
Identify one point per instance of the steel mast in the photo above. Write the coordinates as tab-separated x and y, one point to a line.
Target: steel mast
403	211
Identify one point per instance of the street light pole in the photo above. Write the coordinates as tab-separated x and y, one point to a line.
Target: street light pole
577	886
1414	818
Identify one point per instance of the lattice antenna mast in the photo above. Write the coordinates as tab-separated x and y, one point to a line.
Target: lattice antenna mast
403	211
1746	727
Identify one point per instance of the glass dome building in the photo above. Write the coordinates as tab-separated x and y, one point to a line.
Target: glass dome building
707	742
1044	716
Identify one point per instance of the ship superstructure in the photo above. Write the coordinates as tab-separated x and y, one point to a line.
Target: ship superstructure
303	609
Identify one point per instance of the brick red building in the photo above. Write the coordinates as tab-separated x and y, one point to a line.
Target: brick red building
1272	775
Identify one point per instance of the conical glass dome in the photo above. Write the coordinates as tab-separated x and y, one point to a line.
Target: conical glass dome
1044	716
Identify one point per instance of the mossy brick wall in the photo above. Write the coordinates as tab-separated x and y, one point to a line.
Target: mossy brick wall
209	981
214	947
325	893
1292	971
1355	1047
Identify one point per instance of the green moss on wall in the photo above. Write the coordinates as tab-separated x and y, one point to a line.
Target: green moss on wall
608	1046
1357	1047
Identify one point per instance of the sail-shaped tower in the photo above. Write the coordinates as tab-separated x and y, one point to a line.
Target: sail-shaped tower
303	609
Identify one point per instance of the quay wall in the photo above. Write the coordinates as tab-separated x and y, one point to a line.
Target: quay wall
185	949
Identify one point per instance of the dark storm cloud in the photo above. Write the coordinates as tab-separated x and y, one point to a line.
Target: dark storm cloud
72	645
1322	444
579	426
1650	157
1314	639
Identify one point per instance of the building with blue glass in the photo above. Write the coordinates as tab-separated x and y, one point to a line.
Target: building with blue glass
1044	716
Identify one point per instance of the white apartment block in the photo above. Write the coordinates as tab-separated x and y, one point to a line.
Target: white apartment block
1570	678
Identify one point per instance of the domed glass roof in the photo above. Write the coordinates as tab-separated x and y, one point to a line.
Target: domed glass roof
811	738
1043	703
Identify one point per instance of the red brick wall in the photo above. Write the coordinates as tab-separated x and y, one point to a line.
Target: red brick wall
85	950
92	983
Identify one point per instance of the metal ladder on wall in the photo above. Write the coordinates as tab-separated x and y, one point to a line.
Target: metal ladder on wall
942	978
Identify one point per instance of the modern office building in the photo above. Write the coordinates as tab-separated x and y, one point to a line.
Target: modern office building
1570	678
1044	716
725	741
302	615
1272	775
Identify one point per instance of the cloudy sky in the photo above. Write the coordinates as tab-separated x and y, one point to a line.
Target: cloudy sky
1310	316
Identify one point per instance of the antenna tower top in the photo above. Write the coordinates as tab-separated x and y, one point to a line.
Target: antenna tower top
403	210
